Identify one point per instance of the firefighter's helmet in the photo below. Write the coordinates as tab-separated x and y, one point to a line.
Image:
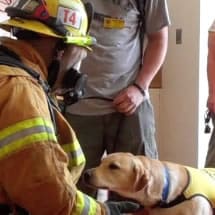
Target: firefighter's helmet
66	19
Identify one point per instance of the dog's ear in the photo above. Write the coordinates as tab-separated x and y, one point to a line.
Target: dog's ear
141	182
141	175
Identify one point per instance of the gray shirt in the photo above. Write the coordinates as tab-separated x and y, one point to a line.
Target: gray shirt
114	62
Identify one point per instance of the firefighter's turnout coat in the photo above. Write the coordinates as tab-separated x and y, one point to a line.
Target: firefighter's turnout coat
34	159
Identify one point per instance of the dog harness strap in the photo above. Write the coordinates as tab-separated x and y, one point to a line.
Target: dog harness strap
166	187
176	201
163	203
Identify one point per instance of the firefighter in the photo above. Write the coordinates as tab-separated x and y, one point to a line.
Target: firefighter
40	156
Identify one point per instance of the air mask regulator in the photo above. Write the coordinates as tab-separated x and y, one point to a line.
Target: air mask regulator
75	83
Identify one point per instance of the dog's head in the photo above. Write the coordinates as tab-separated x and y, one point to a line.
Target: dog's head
123	173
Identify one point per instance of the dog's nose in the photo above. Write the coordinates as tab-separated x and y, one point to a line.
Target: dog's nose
87	175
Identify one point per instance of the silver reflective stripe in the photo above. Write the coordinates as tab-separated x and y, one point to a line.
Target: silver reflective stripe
85	205
86	208
75	154
24	133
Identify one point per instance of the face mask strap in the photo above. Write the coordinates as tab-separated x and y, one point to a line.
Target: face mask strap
54	67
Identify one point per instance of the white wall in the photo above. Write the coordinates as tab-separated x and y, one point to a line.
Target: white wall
3	17
182	100
179	96
207	16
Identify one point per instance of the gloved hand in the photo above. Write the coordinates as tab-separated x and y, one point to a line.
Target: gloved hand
5	209
118	208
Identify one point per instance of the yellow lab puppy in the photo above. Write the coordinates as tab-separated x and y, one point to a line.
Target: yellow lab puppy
163	188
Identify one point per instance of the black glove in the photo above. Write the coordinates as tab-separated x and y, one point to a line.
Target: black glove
117	208
5	209
21	211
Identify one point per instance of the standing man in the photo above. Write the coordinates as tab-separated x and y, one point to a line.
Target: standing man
210	159
116	114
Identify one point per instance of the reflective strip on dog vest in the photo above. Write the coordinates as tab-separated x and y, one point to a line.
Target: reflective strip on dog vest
84	205
75	153
24	133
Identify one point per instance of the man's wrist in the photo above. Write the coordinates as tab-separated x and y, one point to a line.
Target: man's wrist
143	92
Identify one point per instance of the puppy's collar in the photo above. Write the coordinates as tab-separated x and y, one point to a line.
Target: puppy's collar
166	186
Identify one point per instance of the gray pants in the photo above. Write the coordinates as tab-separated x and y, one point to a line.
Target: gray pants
210	159
115	132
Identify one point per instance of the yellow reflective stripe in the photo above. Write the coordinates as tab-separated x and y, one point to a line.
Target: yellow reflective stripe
25	133
75	153
81	41
24	125
76	161
84	205
8	149
71	147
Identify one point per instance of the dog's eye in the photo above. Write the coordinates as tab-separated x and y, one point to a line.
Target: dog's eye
113	166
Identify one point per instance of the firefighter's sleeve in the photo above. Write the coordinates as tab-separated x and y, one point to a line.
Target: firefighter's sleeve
107	208
33	167
70	144
34	170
